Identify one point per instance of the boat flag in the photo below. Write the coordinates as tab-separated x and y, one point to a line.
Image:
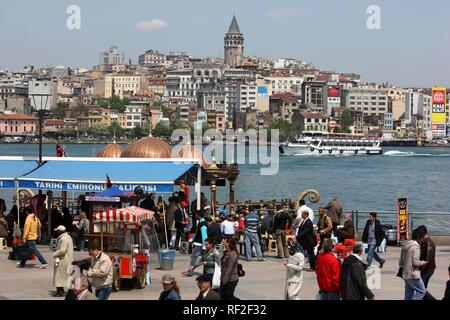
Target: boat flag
108	182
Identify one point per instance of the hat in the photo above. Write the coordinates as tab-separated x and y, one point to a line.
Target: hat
61	228
168	279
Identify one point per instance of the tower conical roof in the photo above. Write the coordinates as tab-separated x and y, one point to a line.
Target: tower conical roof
234	27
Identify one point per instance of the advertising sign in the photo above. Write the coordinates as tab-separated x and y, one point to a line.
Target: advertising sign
333	91
438	108
402	227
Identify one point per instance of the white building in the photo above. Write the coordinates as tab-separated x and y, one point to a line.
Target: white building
278	84
43	93
370	100
118	85
180	83
247	96
417	103
152	58
113	56
133	115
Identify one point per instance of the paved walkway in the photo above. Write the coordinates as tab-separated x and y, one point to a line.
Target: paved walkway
263	280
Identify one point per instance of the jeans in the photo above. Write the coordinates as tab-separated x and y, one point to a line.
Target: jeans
227	290
251	238
32	245
372	254
103	293
414	289
180	235
329	295
196	252
280	237
426	275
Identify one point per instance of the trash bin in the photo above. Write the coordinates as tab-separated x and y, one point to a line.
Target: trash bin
166	257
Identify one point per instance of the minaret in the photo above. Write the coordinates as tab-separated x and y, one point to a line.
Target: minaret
234	45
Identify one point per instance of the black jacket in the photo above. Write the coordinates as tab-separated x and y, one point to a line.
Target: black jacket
348	231
212	295
214	233
280	220
267	224
379	233
353	280
305	234
428	253
179	218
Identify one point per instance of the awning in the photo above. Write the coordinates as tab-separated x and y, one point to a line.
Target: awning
11	169
131	214
89	174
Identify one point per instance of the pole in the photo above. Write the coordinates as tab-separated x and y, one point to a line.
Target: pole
165	223
40	136
199	186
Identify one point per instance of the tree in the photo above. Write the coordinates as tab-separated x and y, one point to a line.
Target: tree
60	109
115	102
285	129
162	131
346	120
140	131
116	129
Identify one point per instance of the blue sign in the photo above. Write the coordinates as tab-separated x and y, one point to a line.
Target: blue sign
7	184
262	89
92	187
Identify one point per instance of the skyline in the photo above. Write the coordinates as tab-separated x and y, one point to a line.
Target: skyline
403	52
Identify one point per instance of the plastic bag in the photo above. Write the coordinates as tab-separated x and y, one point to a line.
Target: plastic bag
216	276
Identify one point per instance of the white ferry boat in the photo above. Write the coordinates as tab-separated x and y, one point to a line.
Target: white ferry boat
335	143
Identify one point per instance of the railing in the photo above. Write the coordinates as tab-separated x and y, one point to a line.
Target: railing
437	223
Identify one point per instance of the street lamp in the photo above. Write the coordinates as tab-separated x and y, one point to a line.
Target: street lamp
41	111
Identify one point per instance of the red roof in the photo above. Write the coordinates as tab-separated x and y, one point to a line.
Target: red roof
55	122
17	116
313	115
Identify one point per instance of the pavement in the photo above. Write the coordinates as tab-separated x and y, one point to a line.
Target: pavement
263	280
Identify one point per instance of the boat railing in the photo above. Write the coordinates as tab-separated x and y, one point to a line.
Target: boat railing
437	223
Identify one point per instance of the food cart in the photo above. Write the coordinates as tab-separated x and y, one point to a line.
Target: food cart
123	238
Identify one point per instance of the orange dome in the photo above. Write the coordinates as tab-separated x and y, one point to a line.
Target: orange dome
191	152
112	150
148	147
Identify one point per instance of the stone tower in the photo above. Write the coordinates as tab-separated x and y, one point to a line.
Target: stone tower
234	45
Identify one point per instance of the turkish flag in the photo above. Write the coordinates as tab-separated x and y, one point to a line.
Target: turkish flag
108	182
60	152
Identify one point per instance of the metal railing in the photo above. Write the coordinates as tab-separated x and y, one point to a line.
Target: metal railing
437	223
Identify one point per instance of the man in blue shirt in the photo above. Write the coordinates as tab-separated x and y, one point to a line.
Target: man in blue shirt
251	235
198	243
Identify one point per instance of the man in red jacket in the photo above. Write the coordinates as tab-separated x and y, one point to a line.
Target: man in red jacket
328	270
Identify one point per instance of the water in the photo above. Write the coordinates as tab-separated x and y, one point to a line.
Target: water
361	182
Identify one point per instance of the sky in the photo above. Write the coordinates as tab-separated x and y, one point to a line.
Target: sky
411	48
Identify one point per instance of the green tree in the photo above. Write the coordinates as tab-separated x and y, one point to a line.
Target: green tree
60	109
346	121
285	129
140	131
162	131
116	129
115	102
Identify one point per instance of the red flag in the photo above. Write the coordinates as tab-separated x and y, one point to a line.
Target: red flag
108	182
60	152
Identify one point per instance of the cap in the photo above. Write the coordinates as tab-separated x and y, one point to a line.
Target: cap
61	228
168	279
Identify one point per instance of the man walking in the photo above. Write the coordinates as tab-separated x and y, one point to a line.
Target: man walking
325	227
251	238
279	227
199	239
328	272
306	238
427	253
410	265
100	273
373	235
63	260
353	277
31	232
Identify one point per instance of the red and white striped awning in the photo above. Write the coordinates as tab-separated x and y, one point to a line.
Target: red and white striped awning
131	215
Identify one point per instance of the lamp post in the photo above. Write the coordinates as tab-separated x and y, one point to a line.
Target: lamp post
41	108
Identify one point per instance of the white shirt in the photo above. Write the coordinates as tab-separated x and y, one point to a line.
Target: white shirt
227	227
206	293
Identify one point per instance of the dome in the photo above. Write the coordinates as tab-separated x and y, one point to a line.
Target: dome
112	150
191	152
148	147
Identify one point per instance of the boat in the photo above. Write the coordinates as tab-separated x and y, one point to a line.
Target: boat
334	143
345	144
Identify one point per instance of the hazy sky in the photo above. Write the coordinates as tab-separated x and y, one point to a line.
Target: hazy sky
412	48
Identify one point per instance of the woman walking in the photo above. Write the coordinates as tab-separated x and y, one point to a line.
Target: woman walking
229	266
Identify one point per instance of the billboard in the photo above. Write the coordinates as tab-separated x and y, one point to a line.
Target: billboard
438	108
334	91
402	226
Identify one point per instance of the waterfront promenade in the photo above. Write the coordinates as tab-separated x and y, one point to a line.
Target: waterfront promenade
263	280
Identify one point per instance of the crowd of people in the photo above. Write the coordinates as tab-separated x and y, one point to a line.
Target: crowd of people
331	250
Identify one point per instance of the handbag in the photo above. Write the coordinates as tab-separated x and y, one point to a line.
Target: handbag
23	252
216	276
240	270
399	272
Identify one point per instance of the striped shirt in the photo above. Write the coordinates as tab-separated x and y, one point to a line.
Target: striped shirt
251	222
